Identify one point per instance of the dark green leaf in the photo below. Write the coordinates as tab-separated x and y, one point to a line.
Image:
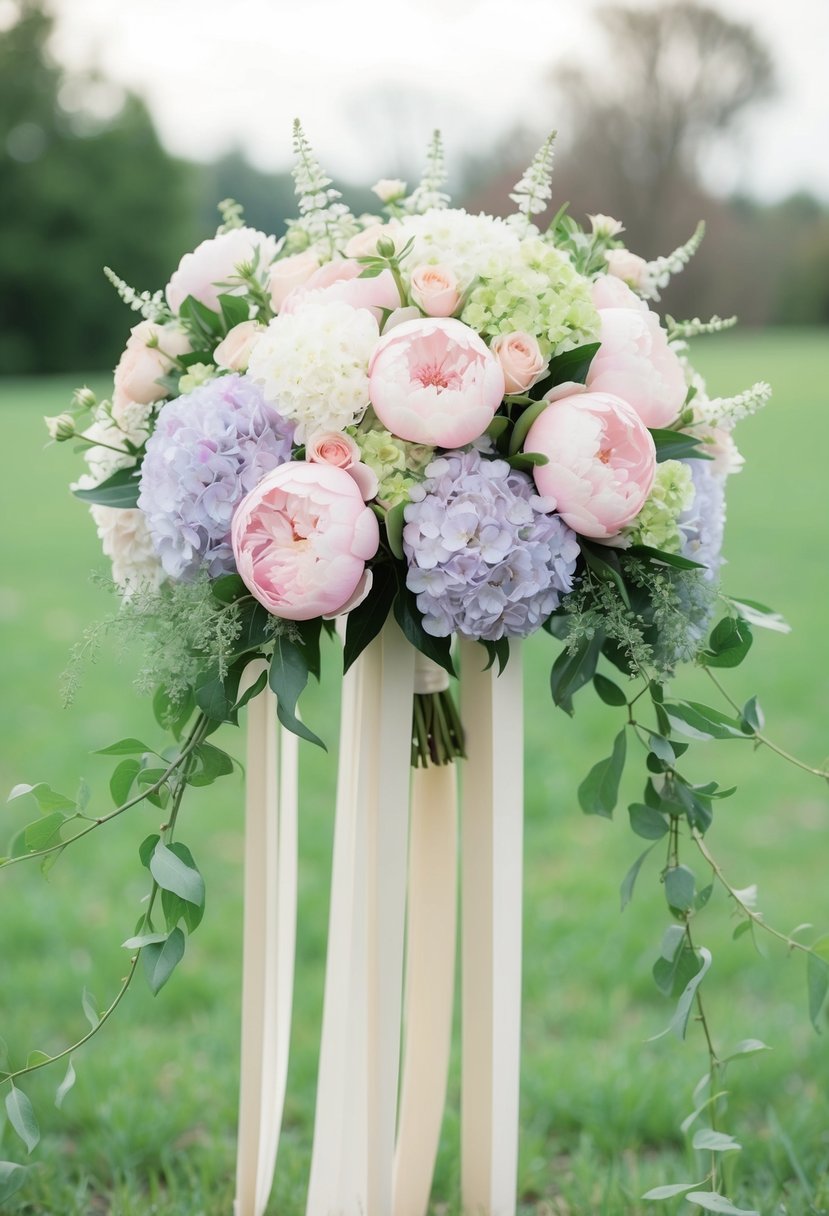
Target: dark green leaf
173	714
680	888
161	959
365	621
604	563
674	445
216	696
119	490
608	692
212	763
523	424
753	717
573	669
12	1178
729	643
408	617
662	749
121	781
665	559
679	1022
205	324
22	1117
395	521
629	880
599	791
147	848
228	588
526	461
258	685
176	909
174	870
255	627
288	676
497	651
234	309
571	365
702	721
646	822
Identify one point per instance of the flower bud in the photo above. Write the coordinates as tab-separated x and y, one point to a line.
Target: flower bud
60	427
385	247
84	398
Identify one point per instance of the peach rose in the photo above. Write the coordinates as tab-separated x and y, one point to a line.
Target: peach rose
150	353
340	450
233	351
288	273
627	266
435	290
521	360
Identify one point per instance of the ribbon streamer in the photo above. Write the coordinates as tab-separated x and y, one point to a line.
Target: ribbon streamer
491	885
269	944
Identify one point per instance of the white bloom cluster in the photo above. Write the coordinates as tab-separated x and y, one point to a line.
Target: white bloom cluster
679	331
125	539
728	411
312	365
468	245
534	190
659	272
151	306
429	194
323	217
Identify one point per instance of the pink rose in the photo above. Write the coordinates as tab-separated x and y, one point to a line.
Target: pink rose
627	266
141	365
602	461
288	273
435	290
635	362
340	281
610	292
435	382
233	351
203	273
338	449
521	360
301	539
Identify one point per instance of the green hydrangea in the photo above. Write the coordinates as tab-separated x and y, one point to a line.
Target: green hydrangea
656	524
397	463
196	375
538	292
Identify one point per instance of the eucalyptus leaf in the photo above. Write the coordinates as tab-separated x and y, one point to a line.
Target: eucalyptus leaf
747	1047
121	781
119	490
671	1190
173	868
708	1140
599	791
629	880
759	614
608	691
702	721
646	822
678	1024
711	1201
90	1008
125	747
65	1085
729	643
12	1178
680	887
161	959
22	1117
143	939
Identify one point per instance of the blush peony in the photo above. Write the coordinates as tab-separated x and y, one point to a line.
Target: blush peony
602	461
434	381
340	282
635	362
301	539
203	273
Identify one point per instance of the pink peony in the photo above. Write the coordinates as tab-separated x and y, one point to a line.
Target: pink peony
521	359
434	381
627	266
141	365
609	292
301	539
602	461
635	362
339	449
203	273
435	290
340	281
288	273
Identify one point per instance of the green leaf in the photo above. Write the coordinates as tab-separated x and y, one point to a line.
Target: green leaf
395	521
366	620
212	763
22	1117
571	365
206	324
12	1178
729	643
573	669
599	791
702	722
759	614
497	651
47	798
646	822
680	888
147	848
65	1085
629	880
119	490
668	1192
607	691
714	1202
817	980
523	424
228	588
258	685
288	676
255	627
234	309
702	897
90	1008
144	939
604	563
526	461
124	747
666	559
36	1058
174	870
216	695
752	716
675	445
662	749
748	1047
710	1141
679	1022
121	781
408	617
161	959
176	909
43	832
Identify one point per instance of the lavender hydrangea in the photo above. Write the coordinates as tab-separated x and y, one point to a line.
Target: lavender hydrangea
209	448
702	525
486	558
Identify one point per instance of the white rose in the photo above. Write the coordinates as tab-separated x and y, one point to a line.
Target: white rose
389	189
233	351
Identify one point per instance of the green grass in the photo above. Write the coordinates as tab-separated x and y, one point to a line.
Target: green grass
150	1124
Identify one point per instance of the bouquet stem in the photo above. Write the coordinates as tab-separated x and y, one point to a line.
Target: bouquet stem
437	732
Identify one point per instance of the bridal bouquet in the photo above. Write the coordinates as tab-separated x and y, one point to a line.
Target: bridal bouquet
477	426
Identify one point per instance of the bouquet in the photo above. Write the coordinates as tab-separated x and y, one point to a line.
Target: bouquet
476	426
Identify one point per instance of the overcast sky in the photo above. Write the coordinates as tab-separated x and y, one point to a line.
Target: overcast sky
370	78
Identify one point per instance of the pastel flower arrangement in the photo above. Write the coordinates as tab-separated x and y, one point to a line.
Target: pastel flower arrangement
471	423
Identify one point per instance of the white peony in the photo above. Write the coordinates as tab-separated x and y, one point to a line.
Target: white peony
203	272
126	541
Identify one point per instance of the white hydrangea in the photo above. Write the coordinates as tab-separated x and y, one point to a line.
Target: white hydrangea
468	245
312	365
125	539
107	435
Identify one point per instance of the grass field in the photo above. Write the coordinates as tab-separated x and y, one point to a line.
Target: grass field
150	1124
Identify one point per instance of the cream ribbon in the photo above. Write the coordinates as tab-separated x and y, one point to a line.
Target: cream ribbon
269	943
491	886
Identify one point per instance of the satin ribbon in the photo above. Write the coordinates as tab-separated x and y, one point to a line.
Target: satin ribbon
269	938
491	887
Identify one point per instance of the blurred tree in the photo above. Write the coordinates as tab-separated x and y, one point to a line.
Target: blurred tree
77	190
